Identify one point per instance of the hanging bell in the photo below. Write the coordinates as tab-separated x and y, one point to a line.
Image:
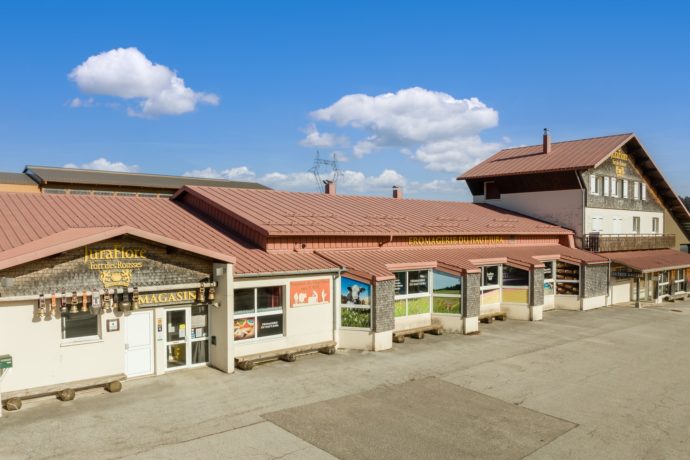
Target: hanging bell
84	301
202	295
63	302
114	304
53	303
74	308
42	306
107	301
124	303
212	293
135	298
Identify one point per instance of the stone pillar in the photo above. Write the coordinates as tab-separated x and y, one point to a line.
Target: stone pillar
222	349
471	297
536	294
594	282
383	315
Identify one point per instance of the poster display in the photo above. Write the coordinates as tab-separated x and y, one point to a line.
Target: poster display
310	292
270	325
354	292
244	328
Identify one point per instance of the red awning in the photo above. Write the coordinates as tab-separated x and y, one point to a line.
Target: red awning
652	260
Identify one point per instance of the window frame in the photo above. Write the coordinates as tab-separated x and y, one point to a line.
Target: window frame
664	275
655	225
637	225
255	314
82	339
679	280
418	295
445	296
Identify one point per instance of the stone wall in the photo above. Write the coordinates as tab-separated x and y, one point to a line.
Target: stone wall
536	283
69	271
595	279
471	295
609	202
384	309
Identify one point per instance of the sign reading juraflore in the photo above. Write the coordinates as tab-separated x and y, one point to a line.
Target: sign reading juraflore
451	240
620	160
115	265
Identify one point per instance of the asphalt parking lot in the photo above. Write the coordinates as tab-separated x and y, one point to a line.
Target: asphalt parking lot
608	383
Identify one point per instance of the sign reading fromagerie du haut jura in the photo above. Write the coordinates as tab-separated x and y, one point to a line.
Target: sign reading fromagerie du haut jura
453	240
115	264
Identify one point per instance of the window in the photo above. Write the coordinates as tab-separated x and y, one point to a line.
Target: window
643	188
258	312
549	281
607	185
663	284
567	279
447	293
614	187
79	326
412	293
593	184
491	191
490	289
597	224
515	285
626	192
636	190
679	281
636	224
355	303
655	225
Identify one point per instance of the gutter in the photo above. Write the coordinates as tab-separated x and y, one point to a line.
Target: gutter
290	273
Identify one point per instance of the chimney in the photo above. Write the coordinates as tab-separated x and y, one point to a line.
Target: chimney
547	141
330	187
397	192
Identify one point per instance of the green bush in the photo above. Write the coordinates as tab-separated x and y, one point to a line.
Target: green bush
350	317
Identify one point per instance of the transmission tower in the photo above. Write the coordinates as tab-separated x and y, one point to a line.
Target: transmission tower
325	170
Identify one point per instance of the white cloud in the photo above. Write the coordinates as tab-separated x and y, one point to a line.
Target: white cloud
128	74
443	132
315	138
241	173
77	103
103	164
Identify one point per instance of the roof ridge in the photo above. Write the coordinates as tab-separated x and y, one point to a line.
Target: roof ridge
568	141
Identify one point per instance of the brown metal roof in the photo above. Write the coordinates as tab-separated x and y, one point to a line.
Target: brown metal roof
276	213
380	263
652	260
569	155
33	226
15	179
48	176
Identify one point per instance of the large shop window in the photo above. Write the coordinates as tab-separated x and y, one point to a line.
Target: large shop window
679	281
259	312
549	278
412	293
663	284
355	303
447	293
515	285
567	279
491	285
79	326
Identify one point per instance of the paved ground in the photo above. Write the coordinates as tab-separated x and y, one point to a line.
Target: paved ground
615	383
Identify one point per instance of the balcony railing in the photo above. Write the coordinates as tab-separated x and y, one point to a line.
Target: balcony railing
629	242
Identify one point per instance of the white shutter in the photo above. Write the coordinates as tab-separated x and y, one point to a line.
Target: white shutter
593	184
644	192
636	190
626	192
607	185
614	186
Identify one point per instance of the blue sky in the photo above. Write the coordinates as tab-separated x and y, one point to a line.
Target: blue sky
259	77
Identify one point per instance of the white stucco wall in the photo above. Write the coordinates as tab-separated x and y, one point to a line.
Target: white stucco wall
42	358
626	222
561	207
301	325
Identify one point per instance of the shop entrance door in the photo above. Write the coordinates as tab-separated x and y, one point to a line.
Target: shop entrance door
139	344
187	336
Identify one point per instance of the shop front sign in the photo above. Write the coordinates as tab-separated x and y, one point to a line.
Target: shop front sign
453	240
310	292
626	274
116	264
152	299
620	160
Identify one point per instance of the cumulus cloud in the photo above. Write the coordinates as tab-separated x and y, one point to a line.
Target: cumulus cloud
434	127
103	164
78	103
128	74
241	173
315	138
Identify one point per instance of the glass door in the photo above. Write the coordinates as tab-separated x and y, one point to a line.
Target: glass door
177	338
187	336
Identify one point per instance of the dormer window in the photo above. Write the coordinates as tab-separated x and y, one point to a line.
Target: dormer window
491	191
